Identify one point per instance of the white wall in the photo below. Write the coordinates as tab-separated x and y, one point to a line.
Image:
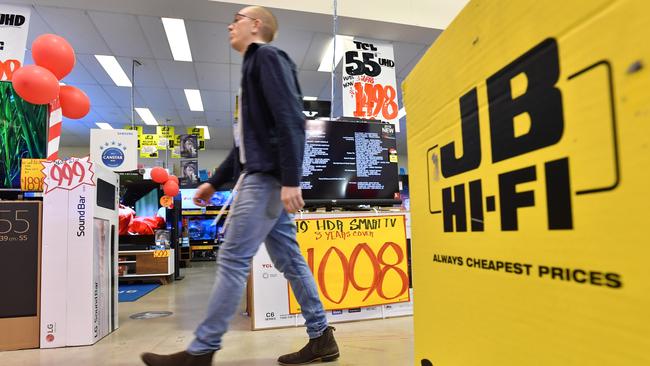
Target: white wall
423	13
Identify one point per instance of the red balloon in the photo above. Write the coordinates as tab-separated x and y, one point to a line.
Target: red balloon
175	179
159	175
170	188
75	103
53	53
35	84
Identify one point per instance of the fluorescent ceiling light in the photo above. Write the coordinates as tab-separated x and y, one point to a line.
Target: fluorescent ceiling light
177	38
309	98
326	61
114	70
206	132
146	116
104	126
401	113
194	100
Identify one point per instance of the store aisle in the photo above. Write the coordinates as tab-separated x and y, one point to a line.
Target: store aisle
386	342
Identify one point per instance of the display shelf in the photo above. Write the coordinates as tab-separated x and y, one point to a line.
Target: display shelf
145	263
201	212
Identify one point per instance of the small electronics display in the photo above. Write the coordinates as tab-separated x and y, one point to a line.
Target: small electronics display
350	161
218	199
202	228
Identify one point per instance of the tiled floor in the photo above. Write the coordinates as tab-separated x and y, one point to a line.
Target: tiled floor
387	342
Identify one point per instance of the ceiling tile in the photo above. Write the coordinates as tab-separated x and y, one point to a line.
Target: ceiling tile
37	26
147	74
116	116
189	118
213	76
235	57
156	98
154	32
208	41
97	95
178	74
178	97
76	27
216	101
164	114
315	52
219	119
294	43
79	75
122	33
122	96
312	82
235	77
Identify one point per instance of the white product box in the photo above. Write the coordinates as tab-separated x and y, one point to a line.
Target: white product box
79	276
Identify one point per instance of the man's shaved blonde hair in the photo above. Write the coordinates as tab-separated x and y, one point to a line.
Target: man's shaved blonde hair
269	23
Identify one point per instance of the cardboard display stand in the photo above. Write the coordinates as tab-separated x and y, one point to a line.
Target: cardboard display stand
79	275
528	140
270	301
20	253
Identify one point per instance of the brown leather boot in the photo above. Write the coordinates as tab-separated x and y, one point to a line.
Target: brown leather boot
321	349
177	359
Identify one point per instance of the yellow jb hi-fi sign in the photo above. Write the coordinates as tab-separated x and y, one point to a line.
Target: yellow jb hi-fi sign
528	133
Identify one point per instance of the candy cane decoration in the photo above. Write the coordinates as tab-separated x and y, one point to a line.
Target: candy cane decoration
54	131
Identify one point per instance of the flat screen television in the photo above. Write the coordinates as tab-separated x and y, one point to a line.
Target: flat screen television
143	196
23	131
350	163
218	199
202	230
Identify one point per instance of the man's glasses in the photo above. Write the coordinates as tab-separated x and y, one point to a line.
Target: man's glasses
240	16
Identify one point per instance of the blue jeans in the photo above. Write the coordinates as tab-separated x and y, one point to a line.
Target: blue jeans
257	216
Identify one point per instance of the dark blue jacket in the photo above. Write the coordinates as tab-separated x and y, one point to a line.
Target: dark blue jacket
273	122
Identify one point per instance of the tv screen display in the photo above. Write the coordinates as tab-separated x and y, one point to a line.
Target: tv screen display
23	129
187	194
350	161
202	228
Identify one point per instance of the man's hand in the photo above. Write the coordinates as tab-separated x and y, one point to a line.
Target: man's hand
203	194
292	199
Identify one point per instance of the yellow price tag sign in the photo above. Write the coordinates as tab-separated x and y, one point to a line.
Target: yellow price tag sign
161	253
356	261
31	175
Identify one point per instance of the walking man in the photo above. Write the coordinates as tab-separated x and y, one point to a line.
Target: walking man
269	145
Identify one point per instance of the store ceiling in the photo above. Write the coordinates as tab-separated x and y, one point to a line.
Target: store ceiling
132	29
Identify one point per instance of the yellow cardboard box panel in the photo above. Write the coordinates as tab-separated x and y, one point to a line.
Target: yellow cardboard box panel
528	133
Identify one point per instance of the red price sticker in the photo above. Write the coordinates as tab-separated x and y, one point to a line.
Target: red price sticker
68	174
375	101
7	69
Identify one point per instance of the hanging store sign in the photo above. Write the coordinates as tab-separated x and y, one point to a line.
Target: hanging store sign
369	83
114	149
14	26
149	146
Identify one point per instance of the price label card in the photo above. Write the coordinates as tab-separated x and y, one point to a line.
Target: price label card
161	253
31	175
68	174
369	83
356	261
